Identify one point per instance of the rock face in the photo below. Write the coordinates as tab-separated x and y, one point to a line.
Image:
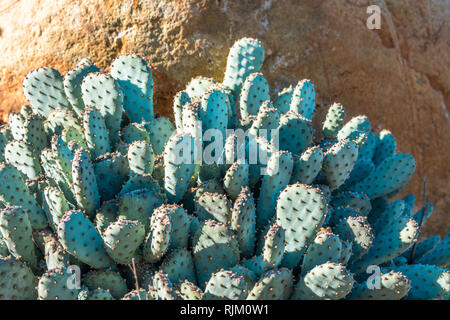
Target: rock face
397	75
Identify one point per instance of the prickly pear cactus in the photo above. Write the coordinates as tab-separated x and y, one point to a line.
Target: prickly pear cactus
22	286
15	227
240	198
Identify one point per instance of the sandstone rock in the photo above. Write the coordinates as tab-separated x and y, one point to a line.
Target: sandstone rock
398	75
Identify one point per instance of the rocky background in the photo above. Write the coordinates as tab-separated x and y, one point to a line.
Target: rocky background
398	75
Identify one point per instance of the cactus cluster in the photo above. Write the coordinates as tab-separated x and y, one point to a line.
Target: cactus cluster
95	204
